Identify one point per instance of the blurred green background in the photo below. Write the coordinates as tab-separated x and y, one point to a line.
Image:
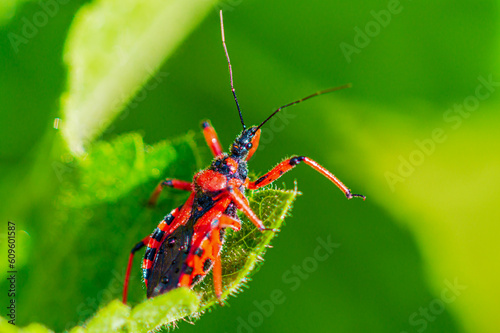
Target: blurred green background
417	133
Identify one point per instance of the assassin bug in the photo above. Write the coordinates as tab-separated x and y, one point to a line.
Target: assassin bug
186	244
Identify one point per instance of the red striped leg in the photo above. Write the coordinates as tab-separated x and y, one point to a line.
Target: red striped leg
211	138
136	248
174	183
289	164
242	204
217	268
225	221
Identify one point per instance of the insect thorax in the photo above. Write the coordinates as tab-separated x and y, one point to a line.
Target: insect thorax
230	167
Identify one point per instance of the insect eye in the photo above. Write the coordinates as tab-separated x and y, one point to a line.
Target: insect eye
249	145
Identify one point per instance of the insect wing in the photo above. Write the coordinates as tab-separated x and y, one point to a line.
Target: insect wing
170	261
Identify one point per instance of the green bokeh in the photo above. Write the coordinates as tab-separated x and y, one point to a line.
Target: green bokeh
397	249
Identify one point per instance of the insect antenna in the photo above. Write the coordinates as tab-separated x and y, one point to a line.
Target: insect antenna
230	69
303	99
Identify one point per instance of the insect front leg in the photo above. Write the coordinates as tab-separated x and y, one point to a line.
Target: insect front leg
226	221
136	248
242	204
173	183
289	164
211	138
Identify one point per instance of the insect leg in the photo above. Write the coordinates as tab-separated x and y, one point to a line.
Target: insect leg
289	164
211	138
174	183
226	221
136	248
242	204
217	268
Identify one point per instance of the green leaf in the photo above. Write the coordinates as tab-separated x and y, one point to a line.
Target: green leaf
113	169
113	48
110	318
77	329
99	216
6	327
163	310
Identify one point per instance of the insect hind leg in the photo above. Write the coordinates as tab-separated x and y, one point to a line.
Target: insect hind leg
136	248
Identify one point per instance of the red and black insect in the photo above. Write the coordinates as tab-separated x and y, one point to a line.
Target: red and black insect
186	244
